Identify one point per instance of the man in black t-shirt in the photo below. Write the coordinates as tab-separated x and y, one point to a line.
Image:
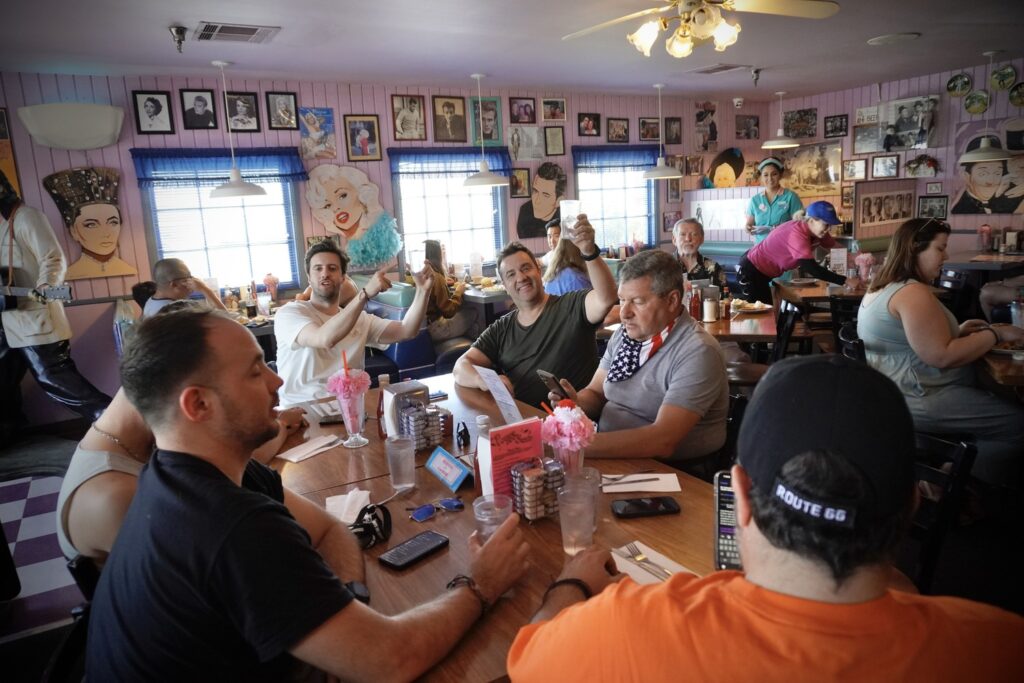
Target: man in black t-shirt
544	332
211	576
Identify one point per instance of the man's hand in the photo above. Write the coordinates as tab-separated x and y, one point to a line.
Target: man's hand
1008	333
568	388
424	278
377	283
583	235
501	561
292	420
594	567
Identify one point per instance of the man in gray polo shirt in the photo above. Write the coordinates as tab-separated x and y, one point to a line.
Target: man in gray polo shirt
660	389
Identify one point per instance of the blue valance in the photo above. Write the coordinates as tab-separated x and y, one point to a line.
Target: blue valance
436	161
628	157
188	167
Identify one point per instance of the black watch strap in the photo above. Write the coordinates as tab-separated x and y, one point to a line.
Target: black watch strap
359	591
593	257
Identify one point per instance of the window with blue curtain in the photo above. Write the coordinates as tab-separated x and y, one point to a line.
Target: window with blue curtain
432	203
233	239
621	205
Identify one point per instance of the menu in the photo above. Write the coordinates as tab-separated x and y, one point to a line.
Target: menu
503	448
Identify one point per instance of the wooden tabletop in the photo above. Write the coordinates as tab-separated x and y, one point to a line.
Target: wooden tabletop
744	327
819	292
1003	369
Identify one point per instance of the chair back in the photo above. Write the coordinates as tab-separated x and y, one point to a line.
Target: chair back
850	345
843	310
86	574
67	665
789	313
961	297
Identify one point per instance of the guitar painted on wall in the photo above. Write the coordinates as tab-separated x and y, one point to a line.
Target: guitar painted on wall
9	294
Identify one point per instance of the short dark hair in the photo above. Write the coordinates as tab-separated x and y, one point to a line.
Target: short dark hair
143	292
512	248
549	170
329	247
843	549
167	351
661	267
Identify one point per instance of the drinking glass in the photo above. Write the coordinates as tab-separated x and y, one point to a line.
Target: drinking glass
569	209
576	514
588	477
353	412
401	453
490	511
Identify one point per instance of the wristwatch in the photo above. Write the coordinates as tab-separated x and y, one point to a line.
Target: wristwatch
359	591
592	257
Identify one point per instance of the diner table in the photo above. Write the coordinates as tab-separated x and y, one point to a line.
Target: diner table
744	327
819	292
489	300
1003	369
987	264
686	538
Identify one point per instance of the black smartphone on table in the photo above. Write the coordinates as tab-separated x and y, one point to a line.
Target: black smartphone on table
727	550
551	382
645	507
410	551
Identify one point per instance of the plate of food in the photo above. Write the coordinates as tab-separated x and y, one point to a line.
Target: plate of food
1008	348
746	307
803	281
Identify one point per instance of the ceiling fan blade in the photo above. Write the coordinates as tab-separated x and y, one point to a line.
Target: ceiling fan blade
804	9
634	15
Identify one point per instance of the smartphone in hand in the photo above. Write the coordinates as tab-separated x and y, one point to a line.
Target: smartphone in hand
552	383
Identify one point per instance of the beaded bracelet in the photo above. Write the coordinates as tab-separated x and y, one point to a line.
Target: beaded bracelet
579	583
463	580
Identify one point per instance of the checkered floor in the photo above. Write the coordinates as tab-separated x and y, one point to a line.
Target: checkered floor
28	513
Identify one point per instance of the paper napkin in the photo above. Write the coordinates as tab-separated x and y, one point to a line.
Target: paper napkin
346	507
664	483
310	448
641	575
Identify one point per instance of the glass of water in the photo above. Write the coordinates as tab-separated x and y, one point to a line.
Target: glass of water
401	453
576	514
490	511
569	209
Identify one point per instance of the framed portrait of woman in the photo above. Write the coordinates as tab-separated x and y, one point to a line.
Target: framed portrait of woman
153	114
198	109
519	183
243	112
362	135
282	111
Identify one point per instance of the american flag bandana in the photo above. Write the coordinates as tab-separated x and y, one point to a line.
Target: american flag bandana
631	354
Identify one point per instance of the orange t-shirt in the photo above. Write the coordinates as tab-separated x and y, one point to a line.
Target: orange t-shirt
724	628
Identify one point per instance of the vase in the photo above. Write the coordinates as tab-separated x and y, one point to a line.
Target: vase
353	412
571	459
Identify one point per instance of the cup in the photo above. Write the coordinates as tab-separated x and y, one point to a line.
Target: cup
1017	313
576	515
569	210
401	453
263	303
353	413
250	309
587	477
490	511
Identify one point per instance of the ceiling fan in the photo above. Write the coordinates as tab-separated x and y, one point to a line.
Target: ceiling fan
701	20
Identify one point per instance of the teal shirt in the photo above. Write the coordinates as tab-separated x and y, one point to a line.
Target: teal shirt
775	212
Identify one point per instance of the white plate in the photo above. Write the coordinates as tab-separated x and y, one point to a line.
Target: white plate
803	281
1004	352
753	309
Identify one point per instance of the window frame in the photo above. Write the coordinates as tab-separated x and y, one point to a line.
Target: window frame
617	154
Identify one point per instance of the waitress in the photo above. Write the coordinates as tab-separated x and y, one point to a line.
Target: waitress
775	205
790	245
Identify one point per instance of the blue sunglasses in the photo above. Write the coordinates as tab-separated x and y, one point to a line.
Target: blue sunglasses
427	511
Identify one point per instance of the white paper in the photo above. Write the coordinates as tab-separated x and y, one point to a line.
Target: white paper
484	465
310	448
346	507
506	404
665	483
641	575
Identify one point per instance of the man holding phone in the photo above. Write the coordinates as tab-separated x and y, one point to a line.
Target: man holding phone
821	507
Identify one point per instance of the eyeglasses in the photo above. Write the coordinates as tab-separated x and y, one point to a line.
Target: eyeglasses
425	512
372	526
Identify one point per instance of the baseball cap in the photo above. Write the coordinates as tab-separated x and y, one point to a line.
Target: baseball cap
823	211
830	403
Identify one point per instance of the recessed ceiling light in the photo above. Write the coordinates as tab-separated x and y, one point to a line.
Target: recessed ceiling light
890	38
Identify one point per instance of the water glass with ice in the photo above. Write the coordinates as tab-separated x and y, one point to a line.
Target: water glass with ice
490	511
401	453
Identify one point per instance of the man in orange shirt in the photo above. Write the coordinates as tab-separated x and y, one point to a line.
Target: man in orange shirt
821	505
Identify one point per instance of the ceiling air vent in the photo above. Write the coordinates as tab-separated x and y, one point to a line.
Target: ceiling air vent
719	69
235	33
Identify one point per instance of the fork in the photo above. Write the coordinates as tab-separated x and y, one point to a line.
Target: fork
616	477
638	556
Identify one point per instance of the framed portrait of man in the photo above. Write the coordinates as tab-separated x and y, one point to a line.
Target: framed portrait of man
153	112
485	120
673	130
409	117
449	118
855	169
198	109
282	111
243	112
885	166
362	137
933	207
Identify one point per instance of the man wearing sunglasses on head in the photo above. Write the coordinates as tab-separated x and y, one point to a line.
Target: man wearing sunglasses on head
211	577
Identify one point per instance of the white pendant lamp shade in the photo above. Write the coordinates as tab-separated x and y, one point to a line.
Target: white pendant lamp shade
661	171
484	177
235	186
780	141
985	150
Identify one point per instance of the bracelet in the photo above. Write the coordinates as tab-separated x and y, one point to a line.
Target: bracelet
990	329
579	583
365	293
592	257
463	580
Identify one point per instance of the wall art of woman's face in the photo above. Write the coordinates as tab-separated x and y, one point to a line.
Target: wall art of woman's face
97	228
343	209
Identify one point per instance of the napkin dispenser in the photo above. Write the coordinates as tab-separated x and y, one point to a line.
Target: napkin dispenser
398	396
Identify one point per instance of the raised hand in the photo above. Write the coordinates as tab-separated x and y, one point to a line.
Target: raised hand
583	235
424	278
377	283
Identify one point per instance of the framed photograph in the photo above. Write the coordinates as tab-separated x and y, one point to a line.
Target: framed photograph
800	123
199	109
885	166
932	207
554	141
675	191
933	188
485	112
362	137
317	138
669	219
867	139
649	129
909	123
884	207
673	130
449	118
519	183
243	112
694	164
855	169
589	124
553	109
153	112
618	130
522	110
408	113
813	170
847	197
748	127
837	126
282	111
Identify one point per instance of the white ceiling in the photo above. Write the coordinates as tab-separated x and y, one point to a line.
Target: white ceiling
516	42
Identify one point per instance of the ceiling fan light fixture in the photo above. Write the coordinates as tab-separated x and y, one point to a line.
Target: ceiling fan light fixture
704	21
679	44
643	38
725	35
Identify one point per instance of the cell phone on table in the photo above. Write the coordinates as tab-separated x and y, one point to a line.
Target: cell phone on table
727	550
331	420
645	507
413	550
551	382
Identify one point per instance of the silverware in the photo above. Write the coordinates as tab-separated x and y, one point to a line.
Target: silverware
652	570
614	477
621	482
639	557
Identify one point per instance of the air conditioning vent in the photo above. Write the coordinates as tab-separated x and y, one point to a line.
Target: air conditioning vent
235	33
719	69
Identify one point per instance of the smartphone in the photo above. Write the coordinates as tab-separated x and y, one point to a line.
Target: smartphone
413	550
551	382
727	550
645	507
331	420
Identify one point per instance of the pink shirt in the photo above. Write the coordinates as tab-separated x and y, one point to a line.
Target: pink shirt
784	247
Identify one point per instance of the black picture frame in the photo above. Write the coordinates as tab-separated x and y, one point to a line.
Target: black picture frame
399	103
617	130
458	131
837	126
892	160
932	206
554	141
354	125
589	124
160	122
276	118
673	130
239	121
518	115
191	119
647	124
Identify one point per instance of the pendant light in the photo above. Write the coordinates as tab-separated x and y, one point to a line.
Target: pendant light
661	171
235	186
985	151
484	177
780	141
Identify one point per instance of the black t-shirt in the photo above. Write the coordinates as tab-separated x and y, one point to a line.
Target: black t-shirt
207	580
529	226
561	341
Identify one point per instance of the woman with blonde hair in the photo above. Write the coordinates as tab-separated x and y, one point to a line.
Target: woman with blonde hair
567	271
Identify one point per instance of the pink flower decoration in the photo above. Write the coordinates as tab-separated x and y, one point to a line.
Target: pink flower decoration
568	429
347	385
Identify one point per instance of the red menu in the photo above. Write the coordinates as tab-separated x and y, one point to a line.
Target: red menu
504	447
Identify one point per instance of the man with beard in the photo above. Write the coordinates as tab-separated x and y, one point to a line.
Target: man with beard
311	335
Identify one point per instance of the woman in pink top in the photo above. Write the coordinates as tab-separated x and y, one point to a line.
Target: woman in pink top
790	245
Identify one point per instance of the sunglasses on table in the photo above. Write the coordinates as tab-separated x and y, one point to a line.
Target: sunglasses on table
424	512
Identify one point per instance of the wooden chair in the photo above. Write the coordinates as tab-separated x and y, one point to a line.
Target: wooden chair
850	345
705	467
749	374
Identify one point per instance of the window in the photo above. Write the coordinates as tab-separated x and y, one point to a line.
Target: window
234	239
621	205
432	202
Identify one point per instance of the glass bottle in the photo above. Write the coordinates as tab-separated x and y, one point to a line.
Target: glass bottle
383	381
